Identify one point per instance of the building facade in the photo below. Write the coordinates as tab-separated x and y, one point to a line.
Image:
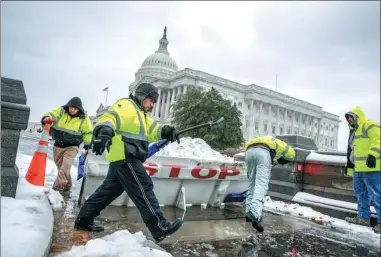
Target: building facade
264	111
33	126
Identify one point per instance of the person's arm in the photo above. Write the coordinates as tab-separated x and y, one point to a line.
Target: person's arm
374	136
87	132
154	130
105	128
158	131
286	151
53	115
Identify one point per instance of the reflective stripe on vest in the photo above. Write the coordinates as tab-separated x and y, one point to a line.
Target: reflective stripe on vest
364	132
76	133
152	127
284	151
142	133
363	158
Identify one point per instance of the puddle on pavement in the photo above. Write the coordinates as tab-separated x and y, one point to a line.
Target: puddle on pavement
295	244
283	236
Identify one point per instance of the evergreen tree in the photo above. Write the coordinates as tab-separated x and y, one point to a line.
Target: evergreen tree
197	106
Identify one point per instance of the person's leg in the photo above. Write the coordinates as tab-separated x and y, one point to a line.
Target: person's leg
363	201
139	187
251	172
262	178
110	189
58	156
67	162
372	181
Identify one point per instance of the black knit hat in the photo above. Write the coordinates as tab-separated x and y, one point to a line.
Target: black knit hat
146	90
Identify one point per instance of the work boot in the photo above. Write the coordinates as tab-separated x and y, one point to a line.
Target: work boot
358	221
170	228
377	228
82	224
255	222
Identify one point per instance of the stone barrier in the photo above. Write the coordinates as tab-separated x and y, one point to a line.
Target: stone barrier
14	118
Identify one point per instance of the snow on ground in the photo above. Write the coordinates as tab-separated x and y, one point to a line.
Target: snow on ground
351	230
27	219
27	222
55	198
119	244
193	148
26	225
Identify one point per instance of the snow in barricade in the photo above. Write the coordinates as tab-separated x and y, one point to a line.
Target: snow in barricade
362	234
193	148
119	244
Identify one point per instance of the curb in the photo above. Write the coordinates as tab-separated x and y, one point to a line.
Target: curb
49	244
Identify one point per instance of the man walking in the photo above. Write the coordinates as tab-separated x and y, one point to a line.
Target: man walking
260	156
71	127
363	156
125	130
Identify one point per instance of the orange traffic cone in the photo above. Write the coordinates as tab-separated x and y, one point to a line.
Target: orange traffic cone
36	171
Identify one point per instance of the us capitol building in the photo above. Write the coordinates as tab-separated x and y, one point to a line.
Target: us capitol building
264	111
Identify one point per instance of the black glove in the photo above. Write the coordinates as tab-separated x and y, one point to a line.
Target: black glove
42	120
282	161
371	161
86	147
102	139
169	132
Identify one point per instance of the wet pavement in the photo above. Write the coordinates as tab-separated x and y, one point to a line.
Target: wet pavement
217	231
224	232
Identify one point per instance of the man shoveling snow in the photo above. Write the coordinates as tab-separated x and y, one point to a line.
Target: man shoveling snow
126	130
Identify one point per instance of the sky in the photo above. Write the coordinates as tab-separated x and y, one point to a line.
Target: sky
326	53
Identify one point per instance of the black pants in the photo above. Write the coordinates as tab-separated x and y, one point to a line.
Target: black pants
128	175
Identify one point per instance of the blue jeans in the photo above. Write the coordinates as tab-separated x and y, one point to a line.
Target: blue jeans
259	166
366	186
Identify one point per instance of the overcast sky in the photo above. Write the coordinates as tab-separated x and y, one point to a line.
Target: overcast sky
327	53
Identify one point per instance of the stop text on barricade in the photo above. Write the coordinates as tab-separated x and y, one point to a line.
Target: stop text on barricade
199	172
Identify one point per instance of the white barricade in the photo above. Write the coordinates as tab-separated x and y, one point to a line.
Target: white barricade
177	181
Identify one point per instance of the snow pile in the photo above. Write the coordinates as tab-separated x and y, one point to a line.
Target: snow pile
55	198
119	244
26	226
361	232
193	148
27	219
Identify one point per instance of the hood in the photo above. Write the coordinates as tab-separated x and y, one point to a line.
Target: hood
136	101
358	115
77	103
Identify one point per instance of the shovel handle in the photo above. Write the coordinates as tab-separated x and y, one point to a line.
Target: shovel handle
208	124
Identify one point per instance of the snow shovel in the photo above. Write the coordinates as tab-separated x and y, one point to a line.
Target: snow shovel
81	164
155	147
81	171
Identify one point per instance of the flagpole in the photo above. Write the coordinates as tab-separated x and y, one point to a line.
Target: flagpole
106	96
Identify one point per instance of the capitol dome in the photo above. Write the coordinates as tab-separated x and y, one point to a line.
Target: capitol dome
161	58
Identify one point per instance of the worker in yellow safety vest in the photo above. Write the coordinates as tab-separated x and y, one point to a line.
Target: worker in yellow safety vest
126	130
363	163
71	126
260	157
